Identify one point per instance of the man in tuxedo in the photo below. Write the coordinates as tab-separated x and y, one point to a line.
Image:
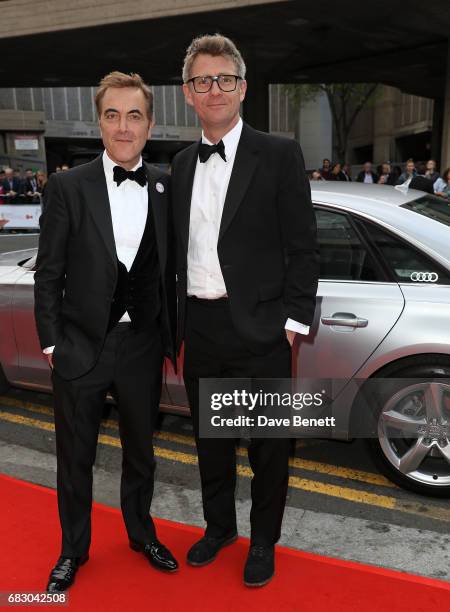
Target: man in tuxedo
105	313
247	267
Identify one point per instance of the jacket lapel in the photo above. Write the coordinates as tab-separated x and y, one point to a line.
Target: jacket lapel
244	166
157	207
99	205
184	184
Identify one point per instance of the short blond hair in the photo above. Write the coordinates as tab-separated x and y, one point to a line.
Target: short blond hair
215	45
119	80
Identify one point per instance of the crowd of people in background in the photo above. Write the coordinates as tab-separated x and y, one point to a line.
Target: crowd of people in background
28	188
420	175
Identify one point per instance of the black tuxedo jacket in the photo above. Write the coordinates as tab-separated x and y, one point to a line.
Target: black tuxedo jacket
76	268
362	174
267	243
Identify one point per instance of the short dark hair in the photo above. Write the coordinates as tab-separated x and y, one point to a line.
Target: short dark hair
215	45
421	168
120	79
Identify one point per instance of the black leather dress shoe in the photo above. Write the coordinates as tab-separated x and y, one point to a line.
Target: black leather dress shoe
260	565
158	555
205	550
63	574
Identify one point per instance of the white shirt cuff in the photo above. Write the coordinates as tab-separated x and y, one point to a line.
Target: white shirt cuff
295	326
48	350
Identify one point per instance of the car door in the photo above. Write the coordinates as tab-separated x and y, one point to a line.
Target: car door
33	365
356	304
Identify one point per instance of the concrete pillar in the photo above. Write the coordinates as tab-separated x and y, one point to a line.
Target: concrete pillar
383	124
436	134
256	103
445	155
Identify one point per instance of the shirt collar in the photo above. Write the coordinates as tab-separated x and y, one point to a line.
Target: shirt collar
230	140
108	166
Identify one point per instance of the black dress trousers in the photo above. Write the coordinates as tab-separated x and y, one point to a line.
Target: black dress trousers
129	366
214	350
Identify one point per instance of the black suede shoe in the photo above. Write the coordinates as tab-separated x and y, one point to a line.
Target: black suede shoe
63	574
260	565
205	550
158	555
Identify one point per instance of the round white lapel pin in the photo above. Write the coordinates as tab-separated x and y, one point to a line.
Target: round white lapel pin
159	187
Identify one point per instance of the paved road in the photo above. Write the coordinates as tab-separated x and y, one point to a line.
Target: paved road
15	242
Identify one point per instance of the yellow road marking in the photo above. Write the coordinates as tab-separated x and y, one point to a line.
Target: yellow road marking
302	464
304	484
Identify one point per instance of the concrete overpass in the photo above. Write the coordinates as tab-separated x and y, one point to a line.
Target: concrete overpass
399	43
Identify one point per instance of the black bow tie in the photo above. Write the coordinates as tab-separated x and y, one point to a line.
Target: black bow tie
120	175
205	151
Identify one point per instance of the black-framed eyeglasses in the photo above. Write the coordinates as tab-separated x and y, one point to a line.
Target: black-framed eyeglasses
226	82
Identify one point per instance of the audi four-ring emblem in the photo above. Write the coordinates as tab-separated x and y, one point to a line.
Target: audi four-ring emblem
424	277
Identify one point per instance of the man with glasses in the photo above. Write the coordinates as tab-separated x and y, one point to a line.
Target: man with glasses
247	279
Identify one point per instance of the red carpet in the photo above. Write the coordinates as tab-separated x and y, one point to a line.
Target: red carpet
116	578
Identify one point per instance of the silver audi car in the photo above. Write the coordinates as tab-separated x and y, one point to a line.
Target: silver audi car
383	314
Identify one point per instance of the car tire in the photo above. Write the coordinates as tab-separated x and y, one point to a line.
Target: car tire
4	384
432	475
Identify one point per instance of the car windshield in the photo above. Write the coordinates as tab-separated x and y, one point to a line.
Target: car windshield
431	206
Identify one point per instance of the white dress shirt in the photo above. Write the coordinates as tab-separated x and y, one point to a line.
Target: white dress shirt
129	208
211	179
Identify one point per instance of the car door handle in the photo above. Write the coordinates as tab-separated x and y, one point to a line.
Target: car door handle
351	321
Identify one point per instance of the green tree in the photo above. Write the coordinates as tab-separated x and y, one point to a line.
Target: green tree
346	101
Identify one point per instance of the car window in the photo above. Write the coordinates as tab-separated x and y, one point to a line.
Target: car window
343	255
407	263
431	206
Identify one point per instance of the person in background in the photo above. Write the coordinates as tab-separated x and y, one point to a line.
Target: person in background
2	189
58	169
385	176
336	173
367	175
30	186
421	181
65	167
41	179
441	186
12	187
431	170
325	171
408	174
316	176
396	172
347	172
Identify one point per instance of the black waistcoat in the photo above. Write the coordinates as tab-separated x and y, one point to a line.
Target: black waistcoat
138	291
